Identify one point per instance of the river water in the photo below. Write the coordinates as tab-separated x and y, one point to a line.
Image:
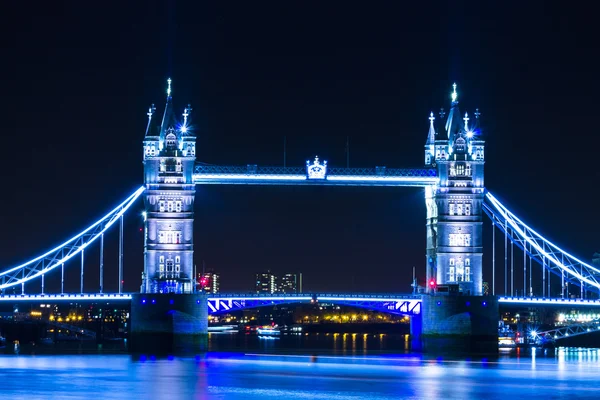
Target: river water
310	367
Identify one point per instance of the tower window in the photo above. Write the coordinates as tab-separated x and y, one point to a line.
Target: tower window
460	170
177	259
169	237
161	206
467	209
451	209
178	206
459	240
161	259
459	209
171	139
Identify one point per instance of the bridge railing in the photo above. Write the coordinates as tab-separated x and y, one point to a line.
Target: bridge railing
567	331
61	254
542	250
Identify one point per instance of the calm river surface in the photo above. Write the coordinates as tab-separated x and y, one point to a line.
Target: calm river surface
314	367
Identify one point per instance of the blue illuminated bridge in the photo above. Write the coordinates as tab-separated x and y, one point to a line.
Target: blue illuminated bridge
456	200
398	304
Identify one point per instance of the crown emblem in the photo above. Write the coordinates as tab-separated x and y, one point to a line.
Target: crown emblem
316	170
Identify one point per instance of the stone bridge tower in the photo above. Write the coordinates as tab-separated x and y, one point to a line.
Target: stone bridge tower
454	208
169	157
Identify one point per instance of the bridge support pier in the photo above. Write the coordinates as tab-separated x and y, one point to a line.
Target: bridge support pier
462	324
168	322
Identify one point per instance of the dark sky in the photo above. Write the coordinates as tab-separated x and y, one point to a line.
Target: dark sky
78	79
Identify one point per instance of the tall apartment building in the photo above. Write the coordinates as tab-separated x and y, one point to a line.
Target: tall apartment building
290	283
266	282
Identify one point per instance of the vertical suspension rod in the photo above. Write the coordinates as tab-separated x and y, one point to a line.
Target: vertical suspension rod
505	257
101	262
121	255
543	276
525	290
512	267
62	278
81	283
549	294
530	277
562	290
42	283
493	259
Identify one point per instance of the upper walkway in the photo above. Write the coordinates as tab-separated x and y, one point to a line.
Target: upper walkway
255	175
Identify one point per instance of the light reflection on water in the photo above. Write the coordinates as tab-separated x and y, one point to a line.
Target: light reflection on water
255	374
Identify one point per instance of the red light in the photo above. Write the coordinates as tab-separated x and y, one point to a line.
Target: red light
432	283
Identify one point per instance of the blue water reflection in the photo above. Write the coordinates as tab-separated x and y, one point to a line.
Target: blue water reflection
564	373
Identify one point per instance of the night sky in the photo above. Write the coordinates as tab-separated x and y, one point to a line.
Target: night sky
79	77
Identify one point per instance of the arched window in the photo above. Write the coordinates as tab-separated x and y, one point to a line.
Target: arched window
171	140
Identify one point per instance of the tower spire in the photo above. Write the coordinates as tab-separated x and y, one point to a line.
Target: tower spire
466	119
169	87
431	135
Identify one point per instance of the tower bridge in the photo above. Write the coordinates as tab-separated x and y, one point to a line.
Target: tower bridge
456	201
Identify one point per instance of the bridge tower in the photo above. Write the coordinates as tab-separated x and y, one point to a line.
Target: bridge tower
169	157
454	208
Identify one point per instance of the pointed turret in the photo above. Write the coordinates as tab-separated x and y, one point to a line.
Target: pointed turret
430	144
431	134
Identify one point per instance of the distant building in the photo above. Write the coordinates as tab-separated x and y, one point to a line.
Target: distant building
266	282
290	283
209	282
